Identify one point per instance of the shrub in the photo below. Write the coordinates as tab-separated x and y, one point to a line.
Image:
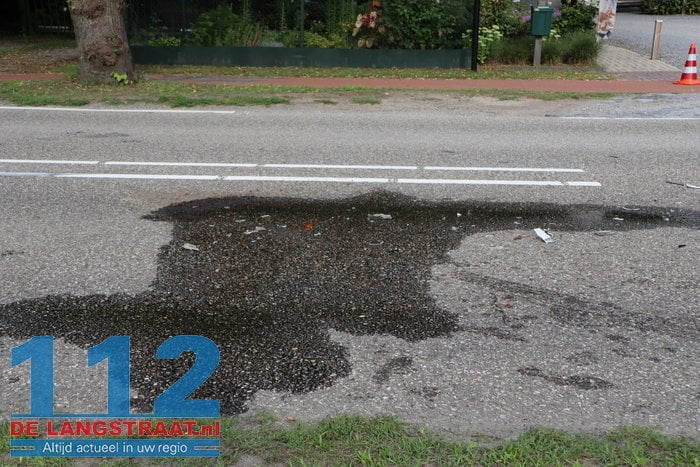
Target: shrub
512	50
425	24
221	26
313	40
552	51
577	48
670	7
510	17
164	41
369	30
575	16
487	38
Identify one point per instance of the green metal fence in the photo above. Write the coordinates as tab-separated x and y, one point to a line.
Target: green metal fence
290	24
39	16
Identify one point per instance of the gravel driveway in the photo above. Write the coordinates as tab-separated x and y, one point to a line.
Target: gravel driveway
634	31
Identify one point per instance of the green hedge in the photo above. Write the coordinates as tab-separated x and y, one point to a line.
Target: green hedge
670	7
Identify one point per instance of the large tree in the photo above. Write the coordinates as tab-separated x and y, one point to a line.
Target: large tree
101	36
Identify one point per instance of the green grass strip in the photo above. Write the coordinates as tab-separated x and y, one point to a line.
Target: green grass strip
68	92
354	440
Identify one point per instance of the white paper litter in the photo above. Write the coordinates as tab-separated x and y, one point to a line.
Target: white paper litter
544	236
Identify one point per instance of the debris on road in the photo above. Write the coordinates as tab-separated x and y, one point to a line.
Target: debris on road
618	219
379	216
255	230
191	247
309	225
694	187
626	208
544	235
603	233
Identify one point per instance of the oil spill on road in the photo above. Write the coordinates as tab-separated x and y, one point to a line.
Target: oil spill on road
269	277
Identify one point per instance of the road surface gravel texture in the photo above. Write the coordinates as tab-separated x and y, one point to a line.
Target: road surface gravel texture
436	303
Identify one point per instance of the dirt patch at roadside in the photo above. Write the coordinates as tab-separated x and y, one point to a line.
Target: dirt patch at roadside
36	61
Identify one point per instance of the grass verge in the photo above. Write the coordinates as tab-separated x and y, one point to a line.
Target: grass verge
485	72
353	440
69	92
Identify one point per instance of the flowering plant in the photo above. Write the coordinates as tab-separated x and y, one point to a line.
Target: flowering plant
369	28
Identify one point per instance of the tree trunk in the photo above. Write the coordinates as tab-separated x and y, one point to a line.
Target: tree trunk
103	47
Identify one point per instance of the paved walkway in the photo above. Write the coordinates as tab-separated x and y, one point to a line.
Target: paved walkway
628	65
618	60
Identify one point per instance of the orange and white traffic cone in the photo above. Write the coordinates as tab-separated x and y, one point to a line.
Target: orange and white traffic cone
690	72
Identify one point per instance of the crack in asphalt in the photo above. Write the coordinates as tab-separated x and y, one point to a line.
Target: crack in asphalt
270	277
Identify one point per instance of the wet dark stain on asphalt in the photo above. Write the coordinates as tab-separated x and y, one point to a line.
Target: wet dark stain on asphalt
578	381
396	366
268	298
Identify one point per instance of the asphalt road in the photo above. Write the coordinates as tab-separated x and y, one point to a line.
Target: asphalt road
635	31
371	260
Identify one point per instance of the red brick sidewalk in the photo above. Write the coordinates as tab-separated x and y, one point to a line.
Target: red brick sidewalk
547	85
622	86
28	76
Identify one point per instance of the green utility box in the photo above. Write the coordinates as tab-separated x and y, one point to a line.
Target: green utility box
541	20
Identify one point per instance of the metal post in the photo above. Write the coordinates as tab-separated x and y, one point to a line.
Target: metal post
537	59
656	41
476	19
301	26
182	22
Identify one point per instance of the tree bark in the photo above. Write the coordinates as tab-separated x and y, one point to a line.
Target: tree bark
100	32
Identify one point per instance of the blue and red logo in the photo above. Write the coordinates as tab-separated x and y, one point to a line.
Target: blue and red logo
118	433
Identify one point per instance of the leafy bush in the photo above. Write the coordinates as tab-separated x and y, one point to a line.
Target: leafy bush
222	27
487	38
510	17
314	40
164	41
670	7
425	24
575	16
370	31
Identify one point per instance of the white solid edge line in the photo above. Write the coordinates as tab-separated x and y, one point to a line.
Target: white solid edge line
630	118
254	178
503	169
146	111
46	161
583	183
331	166
137	176
452	181
183	164
261	178
25	174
